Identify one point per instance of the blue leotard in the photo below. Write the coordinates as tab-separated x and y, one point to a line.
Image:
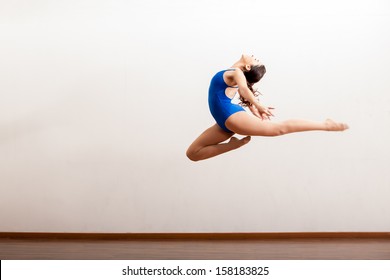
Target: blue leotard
221	106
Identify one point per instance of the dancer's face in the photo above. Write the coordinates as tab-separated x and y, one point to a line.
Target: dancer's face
250	60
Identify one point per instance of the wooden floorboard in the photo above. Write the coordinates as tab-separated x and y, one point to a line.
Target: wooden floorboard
192	236
277	249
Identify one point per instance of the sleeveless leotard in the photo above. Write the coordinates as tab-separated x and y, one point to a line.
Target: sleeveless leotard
221	106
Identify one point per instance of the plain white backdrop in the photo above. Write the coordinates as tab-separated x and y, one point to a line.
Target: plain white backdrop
99	101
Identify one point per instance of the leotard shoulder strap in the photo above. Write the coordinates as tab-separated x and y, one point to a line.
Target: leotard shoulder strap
231	69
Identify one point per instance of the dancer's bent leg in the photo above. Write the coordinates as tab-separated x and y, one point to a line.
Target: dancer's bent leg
208	144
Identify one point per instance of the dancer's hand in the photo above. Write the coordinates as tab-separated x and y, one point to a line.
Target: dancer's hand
254	110
261	112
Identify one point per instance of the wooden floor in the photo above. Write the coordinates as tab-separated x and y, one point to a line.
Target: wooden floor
287	249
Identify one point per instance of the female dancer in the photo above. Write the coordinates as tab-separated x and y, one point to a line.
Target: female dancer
232	118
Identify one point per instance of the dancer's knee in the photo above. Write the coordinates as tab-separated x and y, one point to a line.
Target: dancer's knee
192	154
279	129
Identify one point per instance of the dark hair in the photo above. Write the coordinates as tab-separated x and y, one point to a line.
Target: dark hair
253	76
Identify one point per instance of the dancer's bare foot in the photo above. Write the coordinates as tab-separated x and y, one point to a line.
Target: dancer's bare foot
334	126
239	142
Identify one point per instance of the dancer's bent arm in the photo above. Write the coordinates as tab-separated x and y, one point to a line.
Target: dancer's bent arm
246	93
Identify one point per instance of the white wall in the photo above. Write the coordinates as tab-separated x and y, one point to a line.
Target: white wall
100	99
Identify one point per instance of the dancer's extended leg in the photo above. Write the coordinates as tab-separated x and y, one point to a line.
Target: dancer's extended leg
208	144
246	124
